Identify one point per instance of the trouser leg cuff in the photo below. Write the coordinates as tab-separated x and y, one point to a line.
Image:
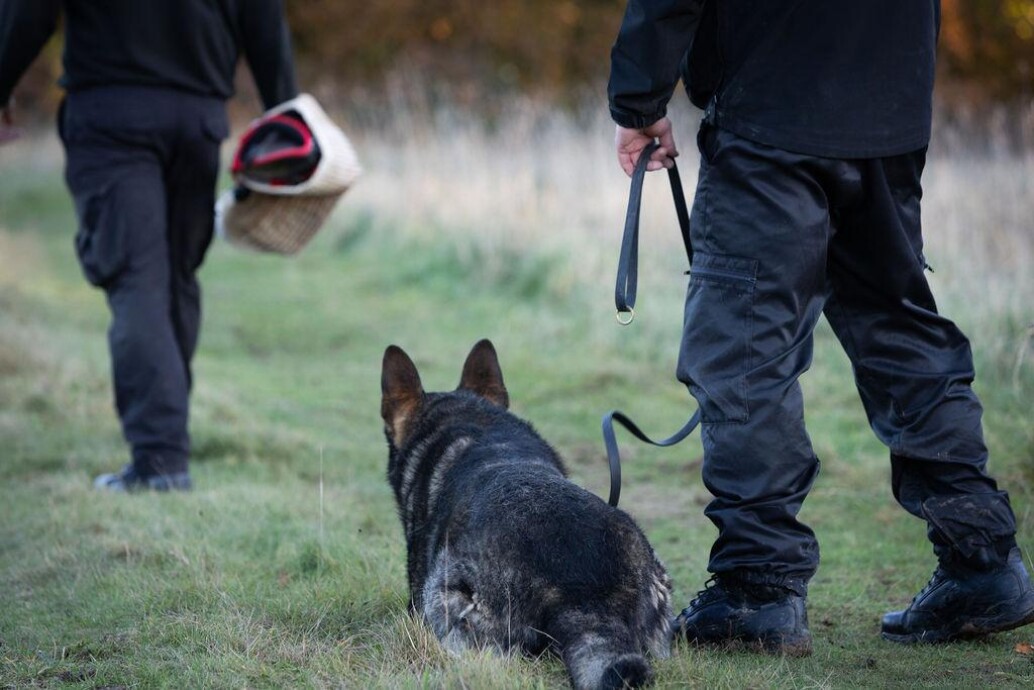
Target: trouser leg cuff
971	531
777	583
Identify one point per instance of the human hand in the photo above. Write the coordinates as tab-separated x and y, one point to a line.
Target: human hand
631	142
8	132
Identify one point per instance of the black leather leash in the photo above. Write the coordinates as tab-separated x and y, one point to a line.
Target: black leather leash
628	260
624	300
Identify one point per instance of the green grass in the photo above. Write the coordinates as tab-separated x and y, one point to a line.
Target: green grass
285	567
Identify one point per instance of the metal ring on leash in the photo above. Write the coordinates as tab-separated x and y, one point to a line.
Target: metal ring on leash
631	315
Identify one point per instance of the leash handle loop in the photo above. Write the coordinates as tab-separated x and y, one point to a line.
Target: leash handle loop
628	260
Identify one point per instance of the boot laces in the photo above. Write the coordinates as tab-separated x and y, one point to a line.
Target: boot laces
712	590
935	579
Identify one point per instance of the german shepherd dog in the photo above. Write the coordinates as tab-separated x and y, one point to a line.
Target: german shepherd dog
503	550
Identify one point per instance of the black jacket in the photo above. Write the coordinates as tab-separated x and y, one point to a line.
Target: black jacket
188	45
836	78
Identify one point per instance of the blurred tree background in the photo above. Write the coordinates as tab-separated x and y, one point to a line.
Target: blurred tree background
551	47
988	47
556	48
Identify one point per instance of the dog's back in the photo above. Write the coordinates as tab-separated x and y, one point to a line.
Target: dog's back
503	550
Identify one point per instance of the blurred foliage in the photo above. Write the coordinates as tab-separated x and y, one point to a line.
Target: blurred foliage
551	46
556	47
502	44
989	44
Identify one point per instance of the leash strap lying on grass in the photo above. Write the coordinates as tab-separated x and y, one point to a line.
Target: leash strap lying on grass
624	300
614	456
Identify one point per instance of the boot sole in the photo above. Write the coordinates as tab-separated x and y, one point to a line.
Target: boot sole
800	647
977	627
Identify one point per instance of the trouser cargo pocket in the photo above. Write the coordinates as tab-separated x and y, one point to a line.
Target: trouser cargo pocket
100	241
716	340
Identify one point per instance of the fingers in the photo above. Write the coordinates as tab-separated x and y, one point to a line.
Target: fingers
627	163
662	131
668	144
660	159
660	164
631	142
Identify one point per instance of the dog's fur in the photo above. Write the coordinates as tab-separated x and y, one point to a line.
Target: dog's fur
503	550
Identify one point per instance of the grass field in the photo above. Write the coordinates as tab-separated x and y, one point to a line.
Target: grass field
285	566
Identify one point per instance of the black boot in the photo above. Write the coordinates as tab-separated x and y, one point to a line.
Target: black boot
960	604
770	619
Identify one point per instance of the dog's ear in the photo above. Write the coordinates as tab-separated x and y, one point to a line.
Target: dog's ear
401	392
482	375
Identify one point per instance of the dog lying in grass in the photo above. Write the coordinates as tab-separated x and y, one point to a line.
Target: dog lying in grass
503	550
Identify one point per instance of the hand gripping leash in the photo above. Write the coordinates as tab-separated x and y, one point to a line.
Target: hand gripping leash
624	301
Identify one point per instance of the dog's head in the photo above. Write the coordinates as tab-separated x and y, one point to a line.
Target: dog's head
403	396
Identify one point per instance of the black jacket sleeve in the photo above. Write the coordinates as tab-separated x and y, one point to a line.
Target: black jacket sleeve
25	26
267	48
645	60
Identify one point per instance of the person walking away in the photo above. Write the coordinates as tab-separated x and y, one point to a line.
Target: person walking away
141	123
817	117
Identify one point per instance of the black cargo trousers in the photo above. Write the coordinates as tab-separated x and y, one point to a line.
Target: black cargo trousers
779	239
141	164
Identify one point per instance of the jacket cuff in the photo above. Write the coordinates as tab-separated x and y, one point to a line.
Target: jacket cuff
635	120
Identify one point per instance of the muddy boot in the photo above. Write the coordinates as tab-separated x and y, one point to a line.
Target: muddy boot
732	613
960	603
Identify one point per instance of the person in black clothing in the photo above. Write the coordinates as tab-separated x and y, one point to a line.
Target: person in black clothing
816	120
142	124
